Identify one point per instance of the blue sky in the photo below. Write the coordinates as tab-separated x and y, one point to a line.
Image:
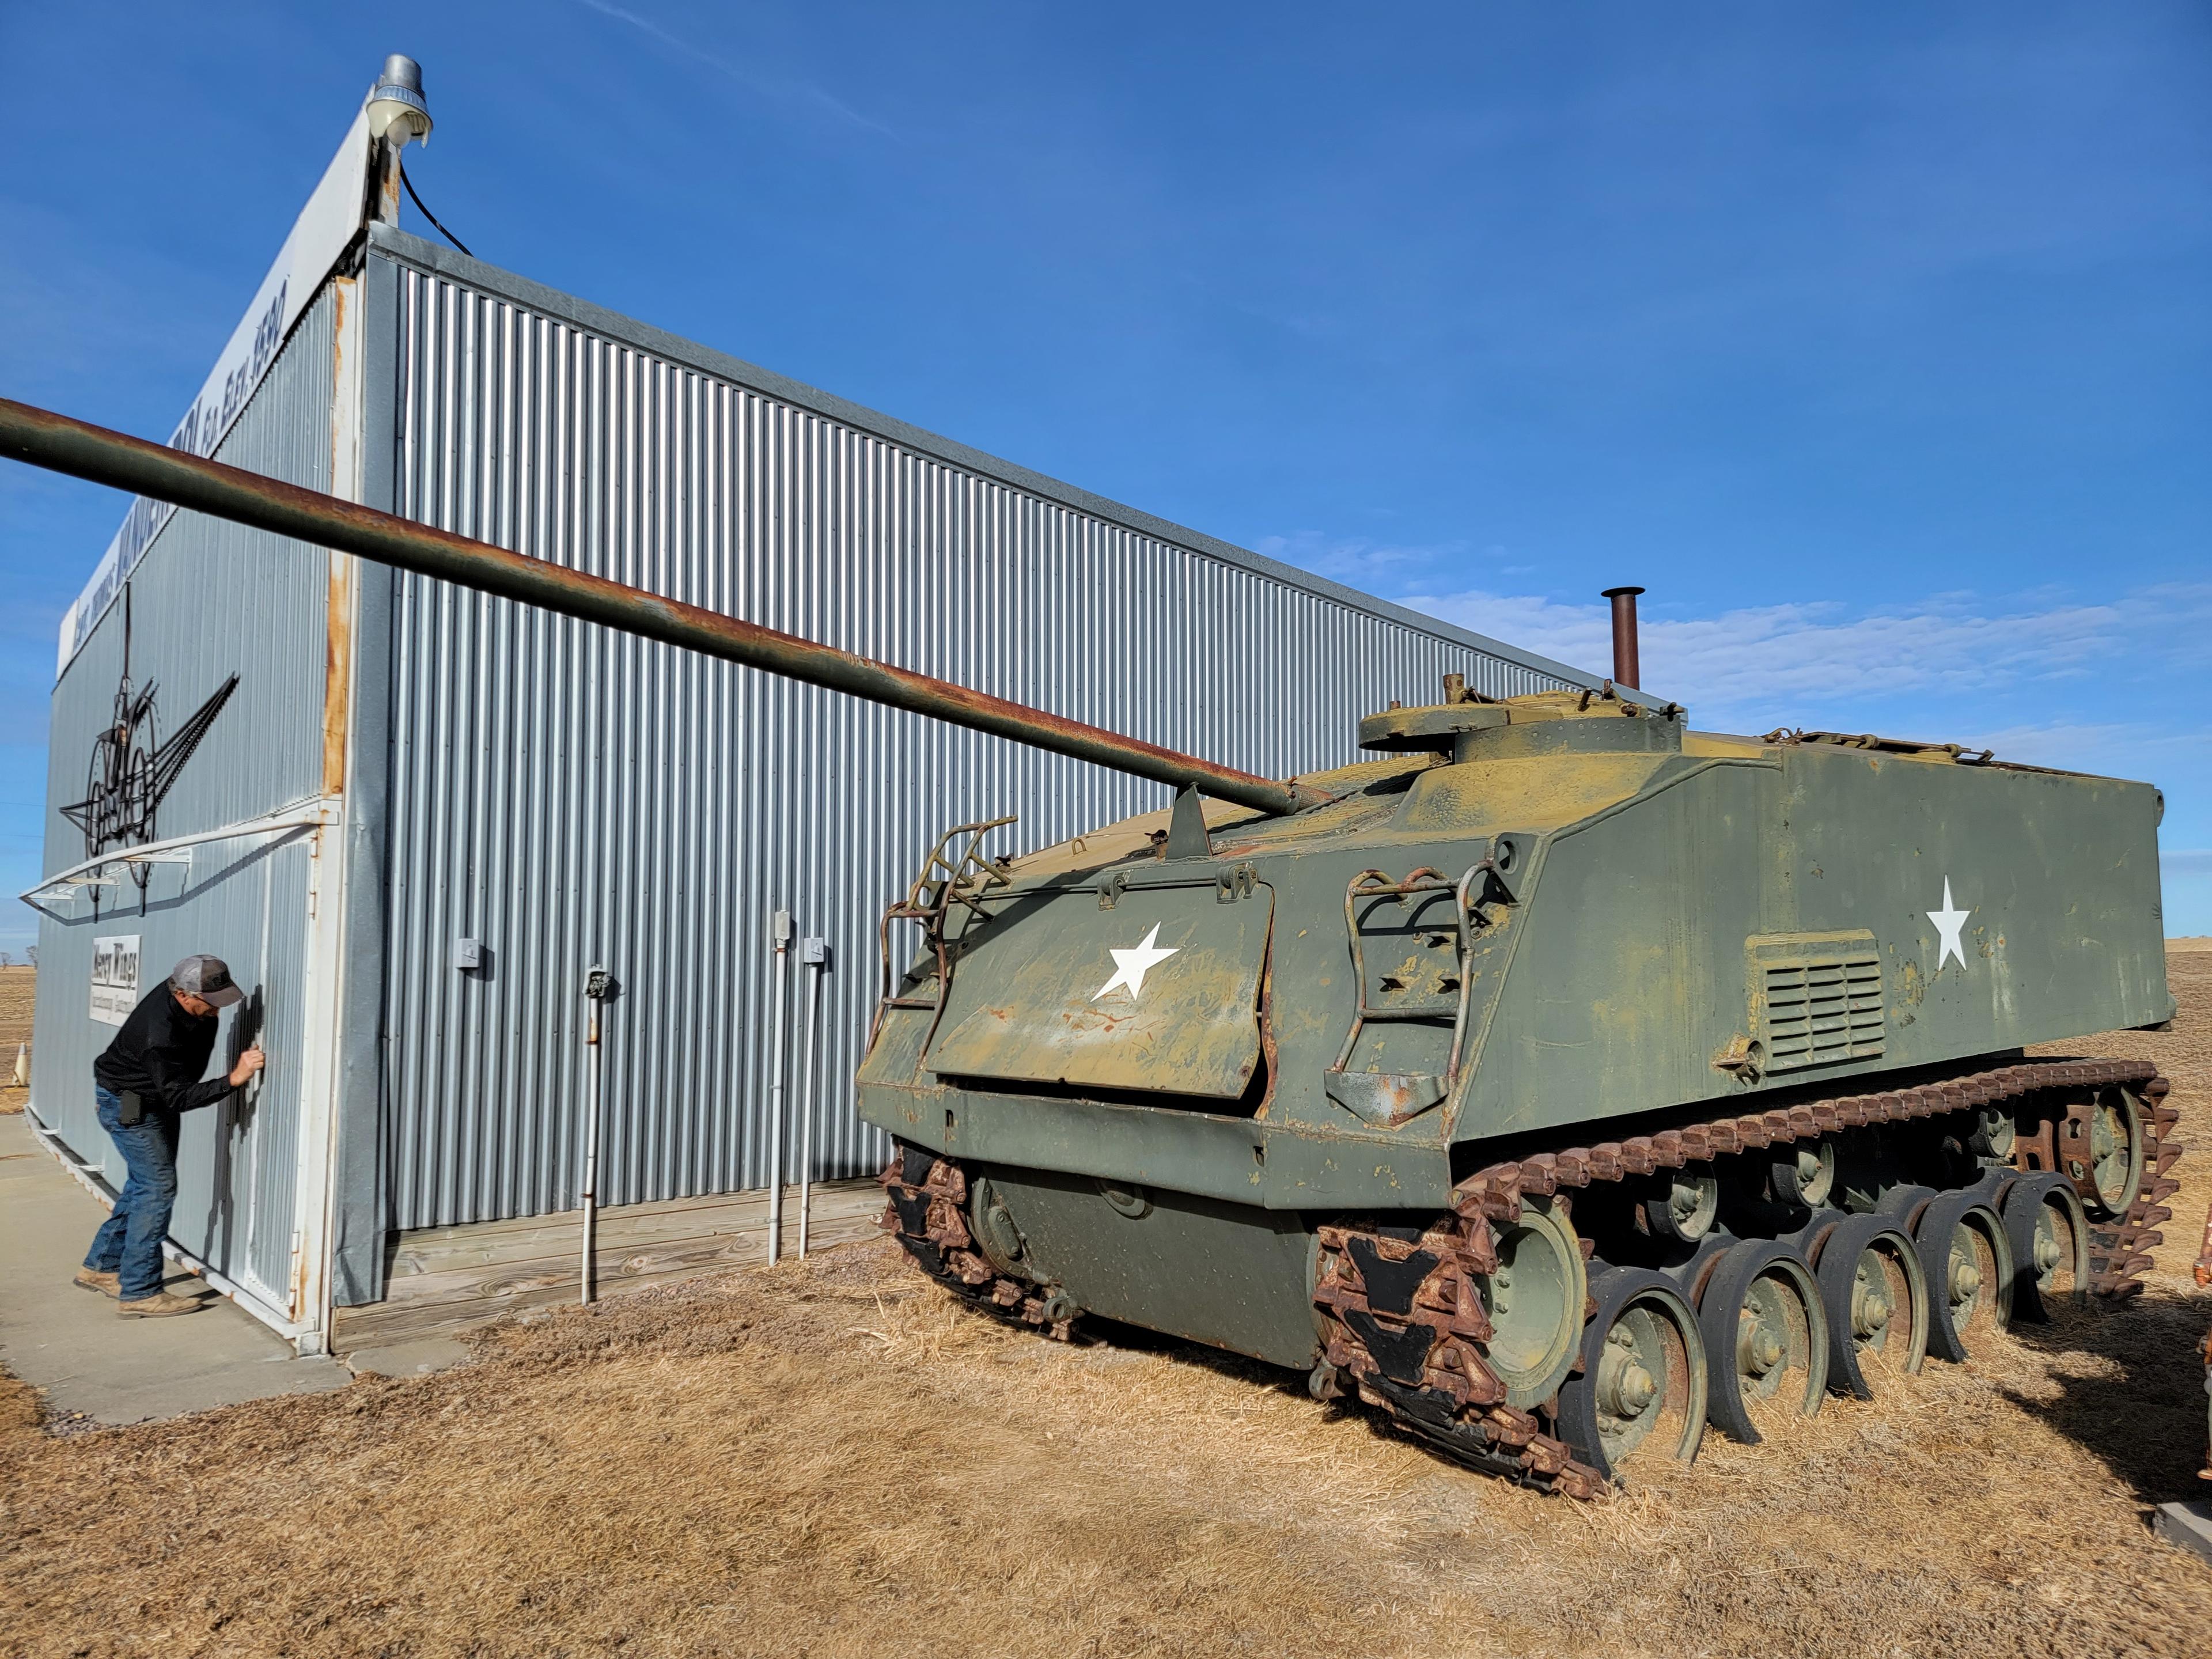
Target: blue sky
1874	342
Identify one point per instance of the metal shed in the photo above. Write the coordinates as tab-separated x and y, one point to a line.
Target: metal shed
403	765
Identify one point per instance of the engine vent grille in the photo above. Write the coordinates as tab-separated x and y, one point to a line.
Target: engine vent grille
1819	999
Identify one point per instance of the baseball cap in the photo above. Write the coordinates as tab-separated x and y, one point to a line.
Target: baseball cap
207	978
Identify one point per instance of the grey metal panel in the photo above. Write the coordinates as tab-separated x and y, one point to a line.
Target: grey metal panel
571	796
209	599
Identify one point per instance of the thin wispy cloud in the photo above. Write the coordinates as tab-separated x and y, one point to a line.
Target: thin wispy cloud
1994	662
1819	663
2130	748
802	91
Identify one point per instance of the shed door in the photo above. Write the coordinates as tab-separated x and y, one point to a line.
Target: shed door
237	1161
1160	991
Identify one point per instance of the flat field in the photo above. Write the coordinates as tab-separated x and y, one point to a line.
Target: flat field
833	1459
17	986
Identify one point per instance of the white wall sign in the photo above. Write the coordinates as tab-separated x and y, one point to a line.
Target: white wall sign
320	234
114	978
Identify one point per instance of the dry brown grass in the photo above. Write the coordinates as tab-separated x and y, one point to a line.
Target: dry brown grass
832	1459
17	985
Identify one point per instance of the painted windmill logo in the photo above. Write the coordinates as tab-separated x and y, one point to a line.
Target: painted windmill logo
130	771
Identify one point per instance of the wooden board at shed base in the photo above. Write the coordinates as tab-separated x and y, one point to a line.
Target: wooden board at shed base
446	1280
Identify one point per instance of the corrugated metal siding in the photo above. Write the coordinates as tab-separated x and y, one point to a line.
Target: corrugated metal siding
209	600
570	795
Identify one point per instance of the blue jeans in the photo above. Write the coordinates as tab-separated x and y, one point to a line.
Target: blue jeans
129	1243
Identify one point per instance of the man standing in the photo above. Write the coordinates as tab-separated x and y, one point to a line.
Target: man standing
145	1080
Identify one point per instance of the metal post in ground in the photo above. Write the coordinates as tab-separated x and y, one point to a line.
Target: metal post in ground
595	995
814	955
779	933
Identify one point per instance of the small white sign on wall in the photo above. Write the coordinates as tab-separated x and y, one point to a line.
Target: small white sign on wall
114	978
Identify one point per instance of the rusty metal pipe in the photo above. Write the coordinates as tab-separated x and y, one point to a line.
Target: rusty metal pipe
1627	670
42	438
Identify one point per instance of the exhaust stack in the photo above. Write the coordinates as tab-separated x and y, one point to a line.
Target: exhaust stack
1626	669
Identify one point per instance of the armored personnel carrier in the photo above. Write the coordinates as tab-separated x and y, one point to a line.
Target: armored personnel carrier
1556	1083
1566	1081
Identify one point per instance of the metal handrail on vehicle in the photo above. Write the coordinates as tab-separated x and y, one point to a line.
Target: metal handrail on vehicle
928	901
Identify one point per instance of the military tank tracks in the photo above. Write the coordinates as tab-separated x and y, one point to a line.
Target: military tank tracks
1411	1313
928	1214
1497	1332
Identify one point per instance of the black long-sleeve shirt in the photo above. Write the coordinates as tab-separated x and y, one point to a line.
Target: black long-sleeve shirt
160	1051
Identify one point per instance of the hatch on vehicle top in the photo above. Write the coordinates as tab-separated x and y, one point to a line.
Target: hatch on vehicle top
1157	987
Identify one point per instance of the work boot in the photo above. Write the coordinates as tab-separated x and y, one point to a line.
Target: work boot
160	1305
91	1278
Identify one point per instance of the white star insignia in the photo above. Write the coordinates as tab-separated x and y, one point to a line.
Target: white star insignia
1130	967
1948	921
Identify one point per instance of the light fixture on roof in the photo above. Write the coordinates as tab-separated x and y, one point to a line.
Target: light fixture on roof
396	106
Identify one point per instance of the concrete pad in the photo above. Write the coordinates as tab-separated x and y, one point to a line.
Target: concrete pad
2188	1525
416	1359
71	1343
